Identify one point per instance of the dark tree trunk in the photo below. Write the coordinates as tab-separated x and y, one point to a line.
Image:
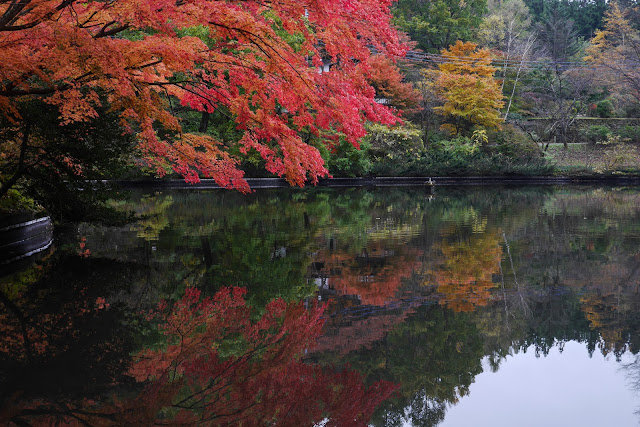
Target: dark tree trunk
204	122
21	168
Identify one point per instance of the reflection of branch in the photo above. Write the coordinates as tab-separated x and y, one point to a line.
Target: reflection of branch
525	307
216	385
632	370
504	295
23	323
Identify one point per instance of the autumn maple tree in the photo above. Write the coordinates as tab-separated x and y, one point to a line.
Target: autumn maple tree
471	94
256	62
387	81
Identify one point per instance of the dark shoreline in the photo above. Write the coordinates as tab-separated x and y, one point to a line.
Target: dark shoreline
255	183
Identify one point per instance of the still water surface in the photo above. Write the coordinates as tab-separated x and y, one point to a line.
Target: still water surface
470	306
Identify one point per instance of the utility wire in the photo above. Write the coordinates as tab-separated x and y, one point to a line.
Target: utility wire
510	64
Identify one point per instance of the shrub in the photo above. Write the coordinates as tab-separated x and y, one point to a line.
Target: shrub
463	157
515	143
595	133
630	133
615	154
348	161
631	109
391	149
456	163
605	109
509	152
14	202
397	140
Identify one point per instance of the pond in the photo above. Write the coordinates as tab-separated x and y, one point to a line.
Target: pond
484	306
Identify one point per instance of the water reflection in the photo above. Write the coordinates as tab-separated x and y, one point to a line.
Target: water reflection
71	357
465	266
61	344
417	292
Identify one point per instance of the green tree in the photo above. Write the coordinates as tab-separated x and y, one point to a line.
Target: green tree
52	159
507	29
439	23
586	15
505	23
557	36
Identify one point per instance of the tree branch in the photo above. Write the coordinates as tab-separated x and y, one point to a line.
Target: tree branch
21	168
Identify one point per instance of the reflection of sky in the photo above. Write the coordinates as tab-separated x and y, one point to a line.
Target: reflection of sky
568	389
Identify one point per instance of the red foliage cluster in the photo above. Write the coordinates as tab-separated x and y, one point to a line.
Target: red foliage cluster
361	333
375	279
387	81
255	61
219	367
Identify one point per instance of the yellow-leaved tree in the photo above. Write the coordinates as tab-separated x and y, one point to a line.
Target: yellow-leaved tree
615	53
471	94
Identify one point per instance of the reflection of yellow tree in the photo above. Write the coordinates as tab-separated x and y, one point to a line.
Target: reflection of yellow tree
153	210
464	277
602	313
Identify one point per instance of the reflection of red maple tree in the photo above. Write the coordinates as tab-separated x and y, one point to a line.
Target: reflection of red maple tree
219	367
374	278
360	333
230	368
25	336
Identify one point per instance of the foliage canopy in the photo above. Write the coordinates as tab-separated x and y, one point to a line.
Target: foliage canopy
256	62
